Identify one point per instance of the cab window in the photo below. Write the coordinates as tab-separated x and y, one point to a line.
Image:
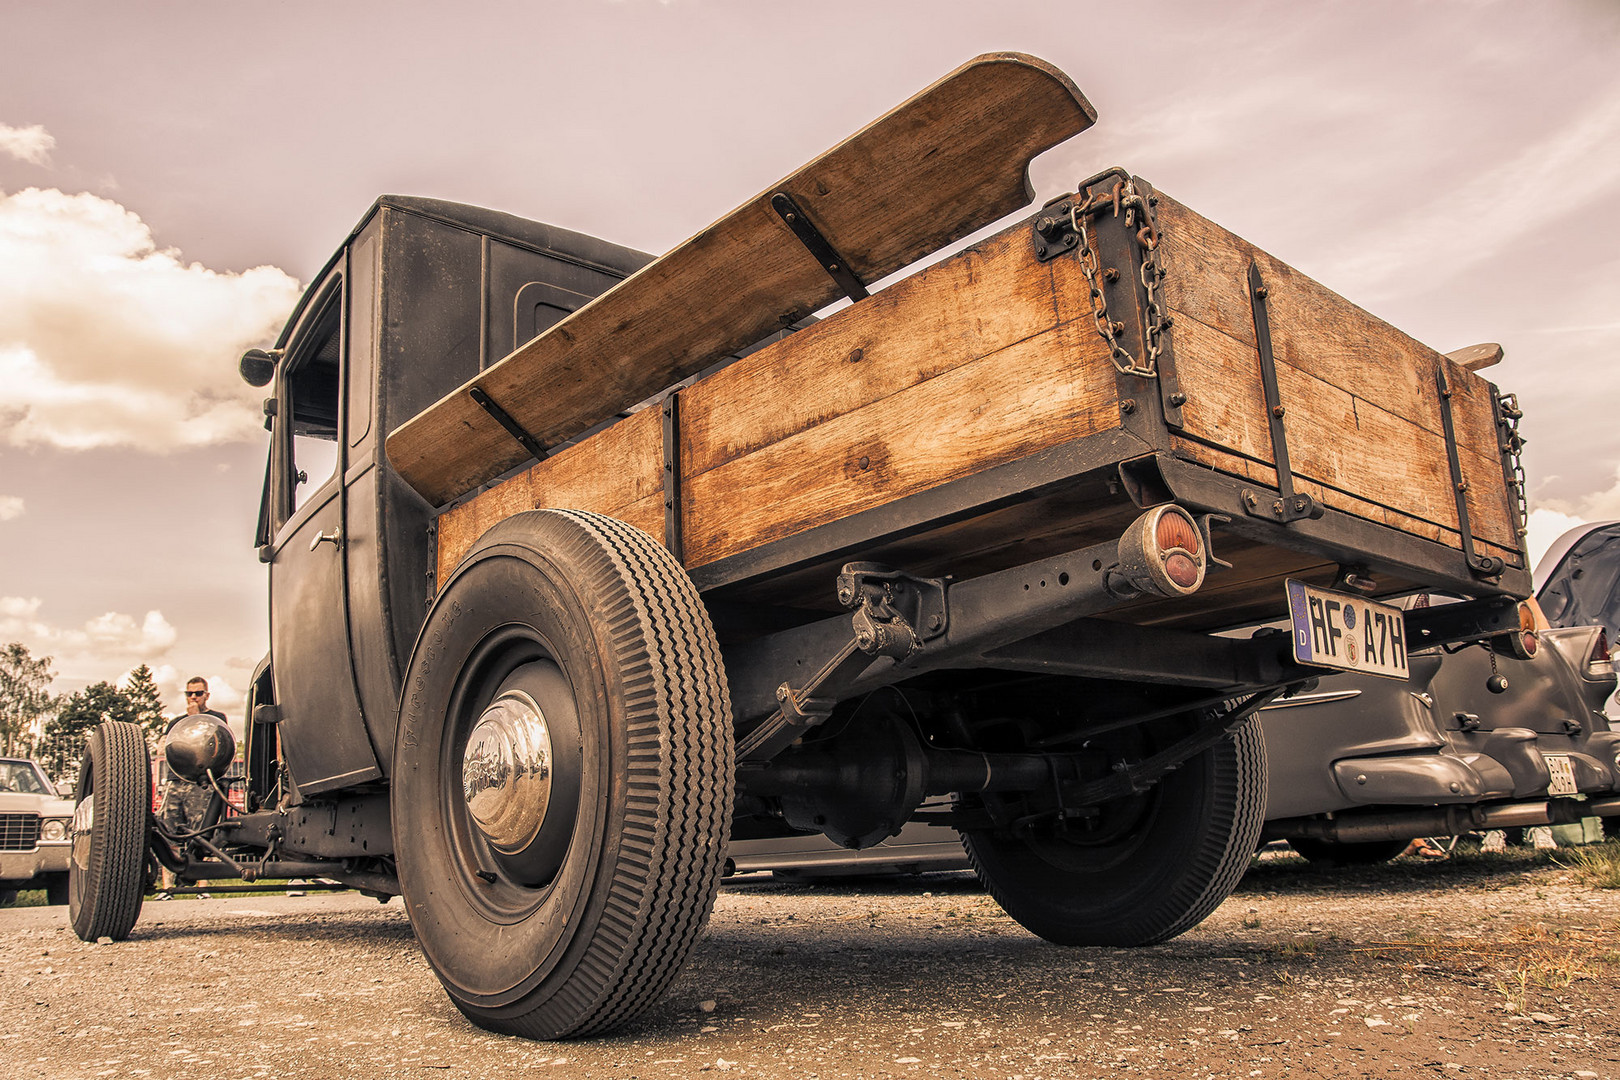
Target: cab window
312	391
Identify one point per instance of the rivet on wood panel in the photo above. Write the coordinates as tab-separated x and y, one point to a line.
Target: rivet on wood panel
855	355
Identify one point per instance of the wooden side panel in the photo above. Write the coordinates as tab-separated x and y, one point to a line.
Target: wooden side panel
614	470
1037	393
1362	406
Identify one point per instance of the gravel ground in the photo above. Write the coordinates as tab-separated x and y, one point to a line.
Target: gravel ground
1489	967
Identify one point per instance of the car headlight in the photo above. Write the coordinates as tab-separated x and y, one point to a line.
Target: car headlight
54	829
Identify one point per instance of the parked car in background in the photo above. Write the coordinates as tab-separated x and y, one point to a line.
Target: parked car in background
1471	741
35	832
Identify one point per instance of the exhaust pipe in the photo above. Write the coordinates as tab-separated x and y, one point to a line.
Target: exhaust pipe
1442	820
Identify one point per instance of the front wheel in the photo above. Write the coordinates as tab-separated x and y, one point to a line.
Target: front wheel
1149	867
107	868
562	775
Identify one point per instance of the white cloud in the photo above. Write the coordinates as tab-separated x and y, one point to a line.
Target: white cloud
11	506
103	645
1473	221
107	340
32	144
1553	517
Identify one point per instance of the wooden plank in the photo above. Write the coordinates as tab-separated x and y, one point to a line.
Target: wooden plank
1262	473
607	473
1350	445
1475	357
1042	391
1313	328
944	163
1363	414
977	302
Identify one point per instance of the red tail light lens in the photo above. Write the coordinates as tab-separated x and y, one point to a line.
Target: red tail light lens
1600	649
1176	531
1527	630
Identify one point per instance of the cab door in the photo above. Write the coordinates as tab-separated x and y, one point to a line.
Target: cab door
323	734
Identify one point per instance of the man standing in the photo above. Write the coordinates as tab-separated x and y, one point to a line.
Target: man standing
184	803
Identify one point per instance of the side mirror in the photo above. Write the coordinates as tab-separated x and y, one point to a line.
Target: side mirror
258	367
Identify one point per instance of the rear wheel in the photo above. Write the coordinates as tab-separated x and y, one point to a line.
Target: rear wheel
562	778
1149	867
1333	853
107	871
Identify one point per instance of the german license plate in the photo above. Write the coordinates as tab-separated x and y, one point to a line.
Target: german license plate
1563	775
1346	633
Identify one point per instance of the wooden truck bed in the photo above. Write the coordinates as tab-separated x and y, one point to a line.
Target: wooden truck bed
991	358
971	416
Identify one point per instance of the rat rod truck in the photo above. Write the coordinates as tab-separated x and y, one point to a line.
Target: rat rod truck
582	562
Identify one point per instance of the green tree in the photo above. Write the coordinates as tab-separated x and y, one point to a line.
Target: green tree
24	697
141	690
65	735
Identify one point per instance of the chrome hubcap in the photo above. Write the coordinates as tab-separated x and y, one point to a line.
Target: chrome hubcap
84	819
507	770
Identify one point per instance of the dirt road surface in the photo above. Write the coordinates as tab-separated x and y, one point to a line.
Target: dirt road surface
1497	968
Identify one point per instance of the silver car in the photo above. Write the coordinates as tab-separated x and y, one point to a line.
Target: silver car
34	832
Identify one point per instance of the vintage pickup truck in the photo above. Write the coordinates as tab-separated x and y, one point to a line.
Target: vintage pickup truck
582	561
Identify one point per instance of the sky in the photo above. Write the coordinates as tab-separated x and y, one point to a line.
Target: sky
173	173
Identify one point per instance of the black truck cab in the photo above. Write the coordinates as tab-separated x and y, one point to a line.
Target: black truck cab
422	296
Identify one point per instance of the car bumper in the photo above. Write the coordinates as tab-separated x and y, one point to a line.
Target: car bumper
26	865
1511	764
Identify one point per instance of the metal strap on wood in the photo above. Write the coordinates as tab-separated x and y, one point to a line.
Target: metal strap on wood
1488	566
671	410
1287	505
823	252
503	418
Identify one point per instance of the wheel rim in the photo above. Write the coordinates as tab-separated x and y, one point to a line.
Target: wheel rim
506	771
514	745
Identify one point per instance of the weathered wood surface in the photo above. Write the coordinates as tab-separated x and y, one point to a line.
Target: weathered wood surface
948	161
1476	357
1362	409
990	356
949	372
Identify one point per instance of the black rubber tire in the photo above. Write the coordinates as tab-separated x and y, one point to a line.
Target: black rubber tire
107	871
1178	851
650	784
56	889
1333	853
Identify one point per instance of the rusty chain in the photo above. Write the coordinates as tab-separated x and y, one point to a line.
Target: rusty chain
1513	447
1124	199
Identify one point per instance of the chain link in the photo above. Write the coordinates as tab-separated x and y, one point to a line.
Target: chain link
1513	446
1127	201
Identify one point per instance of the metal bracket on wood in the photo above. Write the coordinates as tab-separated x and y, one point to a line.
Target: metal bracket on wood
504	418
1488	566
822	251
671	410
1287	505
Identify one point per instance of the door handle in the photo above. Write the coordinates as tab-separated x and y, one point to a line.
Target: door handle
326	538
